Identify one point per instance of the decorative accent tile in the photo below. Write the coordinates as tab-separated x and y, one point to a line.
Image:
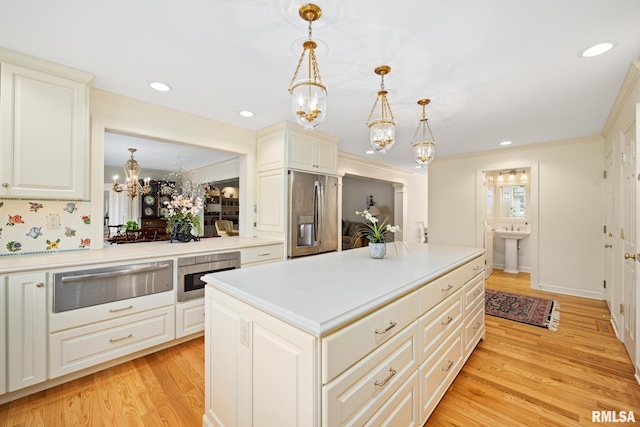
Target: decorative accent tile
43	226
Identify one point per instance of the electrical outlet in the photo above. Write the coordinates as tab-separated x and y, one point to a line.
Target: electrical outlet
53	222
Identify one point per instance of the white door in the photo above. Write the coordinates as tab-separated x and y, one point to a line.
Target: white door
489	222
628	235
608	228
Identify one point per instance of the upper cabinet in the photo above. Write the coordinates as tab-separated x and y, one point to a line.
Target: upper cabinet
44	129
288	146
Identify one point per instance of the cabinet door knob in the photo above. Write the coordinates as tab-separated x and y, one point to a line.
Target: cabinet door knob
40	285
5	184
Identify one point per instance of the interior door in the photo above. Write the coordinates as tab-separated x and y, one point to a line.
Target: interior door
608	227
489	224
628	235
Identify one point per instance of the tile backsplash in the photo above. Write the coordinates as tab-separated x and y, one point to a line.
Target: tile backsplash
43	226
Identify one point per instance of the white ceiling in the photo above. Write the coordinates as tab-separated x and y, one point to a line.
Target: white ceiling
494	69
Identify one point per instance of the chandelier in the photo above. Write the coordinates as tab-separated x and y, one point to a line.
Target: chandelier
382	131
308	95
424	146
132	185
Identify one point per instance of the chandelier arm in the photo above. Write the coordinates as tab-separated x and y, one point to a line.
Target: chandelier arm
430	133
316	70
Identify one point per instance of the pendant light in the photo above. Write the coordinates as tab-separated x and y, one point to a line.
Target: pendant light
382	130
132	172
424	144
308	95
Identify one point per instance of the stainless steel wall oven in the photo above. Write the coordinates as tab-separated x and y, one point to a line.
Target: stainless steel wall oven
191	269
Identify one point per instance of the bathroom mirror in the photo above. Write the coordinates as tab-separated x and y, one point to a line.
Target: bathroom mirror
513	201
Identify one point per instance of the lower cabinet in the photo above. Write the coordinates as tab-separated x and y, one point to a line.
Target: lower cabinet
78	348
3	340
391	367
189	317
26	330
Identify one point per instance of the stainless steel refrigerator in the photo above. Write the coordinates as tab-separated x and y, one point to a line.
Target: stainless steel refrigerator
313	214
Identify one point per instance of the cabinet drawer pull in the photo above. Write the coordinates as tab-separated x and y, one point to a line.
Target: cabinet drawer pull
446	322
477	292
264	254
120	339
448	288
386	380
477	326
115	310
476	268
392	325
449	366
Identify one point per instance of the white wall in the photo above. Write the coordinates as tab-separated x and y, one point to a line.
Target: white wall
410	191
570	206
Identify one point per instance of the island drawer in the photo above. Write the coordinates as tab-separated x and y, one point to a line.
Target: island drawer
473	293
471	269
345	347
473	328
261	254
358	393
439	371
76	349
402	409
437	324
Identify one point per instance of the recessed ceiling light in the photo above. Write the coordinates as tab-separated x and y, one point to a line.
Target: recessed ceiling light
246	113
596	49
160	87
506	143
369	151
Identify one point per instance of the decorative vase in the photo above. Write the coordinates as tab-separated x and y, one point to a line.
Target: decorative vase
182	232
377	250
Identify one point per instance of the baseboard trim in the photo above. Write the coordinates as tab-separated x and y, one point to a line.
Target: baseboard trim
570	291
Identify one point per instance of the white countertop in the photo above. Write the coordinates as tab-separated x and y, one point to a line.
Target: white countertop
321	293
127	252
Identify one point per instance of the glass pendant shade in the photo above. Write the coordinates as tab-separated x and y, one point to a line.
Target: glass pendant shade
382	130
308	95
424	145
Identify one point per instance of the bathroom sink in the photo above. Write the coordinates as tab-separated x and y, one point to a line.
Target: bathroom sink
511	238
512	234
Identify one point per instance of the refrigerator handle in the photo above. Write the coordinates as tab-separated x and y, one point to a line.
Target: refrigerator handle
317	209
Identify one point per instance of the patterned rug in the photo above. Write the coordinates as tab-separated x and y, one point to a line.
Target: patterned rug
521	308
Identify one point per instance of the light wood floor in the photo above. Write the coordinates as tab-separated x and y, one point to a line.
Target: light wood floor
523	375
520	375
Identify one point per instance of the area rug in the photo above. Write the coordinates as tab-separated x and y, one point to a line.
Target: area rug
521	308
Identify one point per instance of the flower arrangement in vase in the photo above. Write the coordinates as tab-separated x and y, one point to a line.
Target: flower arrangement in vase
182	217
378	233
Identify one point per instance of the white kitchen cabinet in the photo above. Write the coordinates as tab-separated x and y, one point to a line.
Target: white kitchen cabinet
44	128
189	317
78	348
312	154
26	330
287	146
249	353
389	367
3	337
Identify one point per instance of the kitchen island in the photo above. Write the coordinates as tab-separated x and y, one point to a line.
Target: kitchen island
340	338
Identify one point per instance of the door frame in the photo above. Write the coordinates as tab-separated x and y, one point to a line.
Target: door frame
533	211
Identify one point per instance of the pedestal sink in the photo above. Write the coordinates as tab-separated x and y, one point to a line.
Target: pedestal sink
511	238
